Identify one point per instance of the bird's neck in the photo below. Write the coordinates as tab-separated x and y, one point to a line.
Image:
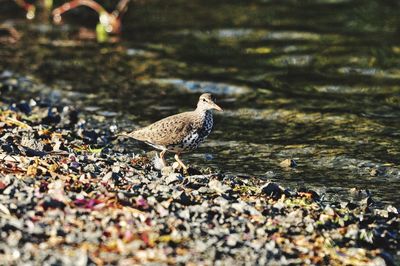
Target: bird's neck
202	112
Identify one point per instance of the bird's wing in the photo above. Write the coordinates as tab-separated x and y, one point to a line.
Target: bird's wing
167	131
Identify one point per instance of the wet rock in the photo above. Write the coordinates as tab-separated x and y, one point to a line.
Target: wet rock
309	193
24	107
368	201
288	163
270	174
52	117
272	189
90	136
350	205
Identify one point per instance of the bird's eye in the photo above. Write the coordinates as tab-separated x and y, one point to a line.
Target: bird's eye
204	100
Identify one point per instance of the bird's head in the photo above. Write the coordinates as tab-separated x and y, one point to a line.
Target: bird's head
206	102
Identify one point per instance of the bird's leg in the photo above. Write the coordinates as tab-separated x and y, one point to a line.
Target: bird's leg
180	162
164	162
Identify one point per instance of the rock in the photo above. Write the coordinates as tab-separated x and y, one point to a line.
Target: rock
193	171
368	201
232	240
173	178
24	107
53	203
167	170
288	163
273	190
53	117
184	214
392	209
309	193
270	174
2	186
184	199
279	205
218	187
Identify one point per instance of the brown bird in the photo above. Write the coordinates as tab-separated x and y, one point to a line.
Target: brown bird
180	133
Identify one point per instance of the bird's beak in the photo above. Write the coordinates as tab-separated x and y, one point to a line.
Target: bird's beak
216	107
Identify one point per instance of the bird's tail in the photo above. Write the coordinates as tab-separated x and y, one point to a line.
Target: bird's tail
124	134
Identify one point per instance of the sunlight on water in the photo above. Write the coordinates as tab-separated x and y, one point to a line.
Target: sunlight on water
203	86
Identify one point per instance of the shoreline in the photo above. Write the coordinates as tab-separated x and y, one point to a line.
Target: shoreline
66	199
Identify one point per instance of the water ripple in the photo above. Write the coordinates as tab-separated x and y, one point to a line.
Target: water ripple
203	86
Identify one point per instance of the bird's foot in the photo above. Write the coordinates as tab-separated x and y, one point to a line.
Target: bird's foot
178	160
161	160
178	167
188	170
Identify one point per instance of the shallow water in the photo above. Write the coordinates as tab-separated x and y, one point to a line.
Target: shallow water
313	81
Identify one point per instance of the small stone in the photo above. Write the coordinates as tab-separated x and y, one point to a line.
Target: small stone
185	199
232	240
288	163
329	211
270	174
116	168
310	228
208	156
167	170
2	186
4	209
53	203
374	172
184	214
350	205
173	178
368	201
279	205
272	189
176	166
392	209
218	187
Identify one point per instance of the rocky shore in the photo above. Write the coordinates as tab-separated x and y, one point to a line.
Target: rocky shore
70	194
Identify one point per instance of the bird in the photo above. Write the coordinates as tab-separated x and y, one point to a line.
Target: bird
180	133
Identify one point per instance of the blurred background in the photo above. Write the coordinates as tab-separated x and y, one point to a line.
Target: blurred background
317	82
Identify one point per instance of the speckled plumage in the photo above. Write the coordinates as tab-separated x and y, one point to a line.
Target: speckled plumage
182	132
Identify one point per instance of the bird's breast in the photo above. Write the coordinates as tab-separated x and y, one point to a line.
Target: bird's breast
196	136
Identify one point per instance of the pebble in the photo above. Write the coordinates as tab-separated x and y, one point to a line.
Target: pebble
218	187
288	163
272	189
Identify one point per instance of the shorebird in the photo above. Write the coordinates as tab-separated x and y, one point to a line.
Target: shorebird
179	133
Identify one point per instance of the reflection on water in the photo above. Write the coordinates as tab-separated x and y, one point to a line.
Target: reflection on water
316	81
203	86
